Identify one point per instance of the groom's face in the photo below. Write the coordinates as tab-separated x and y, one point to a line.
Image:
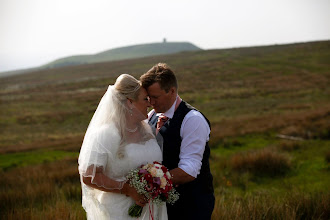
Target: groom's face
161	100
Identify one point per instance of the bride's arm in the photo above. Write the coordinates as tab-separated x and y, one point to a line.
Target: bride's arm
104	183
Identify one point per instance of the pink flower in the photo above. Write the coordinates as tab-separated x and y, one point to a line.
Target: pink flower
143	171
157	180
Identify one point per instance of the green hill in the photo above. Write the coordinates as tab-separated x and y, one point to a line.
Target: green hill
123	53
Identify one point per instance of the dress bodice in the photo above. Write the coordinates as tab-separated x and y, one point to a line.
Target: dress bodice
135	156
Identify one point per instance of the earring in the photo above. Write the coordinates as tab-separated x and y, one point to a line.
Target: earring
131	112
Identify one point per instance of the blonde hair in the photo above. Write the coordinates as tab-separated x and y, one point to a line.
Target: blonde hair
127	87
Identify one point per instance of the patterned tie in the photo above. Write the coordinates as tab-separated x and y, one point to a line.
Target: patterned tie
161	121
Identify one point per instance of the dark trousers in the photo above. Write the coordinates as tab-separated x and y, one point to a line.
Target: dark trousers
196	206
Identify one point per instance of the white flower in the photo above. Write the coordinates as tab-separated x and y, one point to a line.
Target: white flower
168	175
158	166
159	173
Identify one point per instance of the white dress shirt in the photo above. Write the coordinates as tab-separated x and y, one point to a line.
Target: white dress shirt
194	133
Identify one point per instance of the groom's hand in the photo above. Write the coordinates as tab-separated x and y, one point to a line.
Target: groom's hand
180	177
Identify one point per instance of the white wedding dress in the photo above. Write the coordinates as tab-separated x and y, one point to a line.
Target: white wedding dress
101	205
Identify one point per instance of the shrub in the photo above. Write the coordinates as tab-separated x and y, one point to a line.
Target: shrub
289	145
266	162
327	157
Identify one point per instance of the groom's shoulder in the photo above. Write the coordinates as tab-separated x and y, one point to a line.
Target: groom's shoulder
197	116
194	113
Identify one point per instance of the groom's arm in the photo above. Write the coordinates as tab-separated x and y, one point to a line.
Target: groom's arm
194	133
180	177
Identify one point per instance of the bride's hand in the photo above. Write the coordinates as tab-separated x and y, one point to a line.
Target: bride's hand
139	199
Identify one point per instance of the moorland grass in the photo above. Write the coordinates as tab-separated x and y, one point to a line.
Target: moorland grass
46	191
293	205
8	161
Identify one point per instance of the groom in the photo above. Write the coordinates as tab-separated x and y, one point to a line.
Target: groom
186	153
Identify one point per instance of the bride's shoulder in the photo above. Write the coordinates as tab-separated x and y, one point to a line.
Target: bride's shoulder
108	131
107	127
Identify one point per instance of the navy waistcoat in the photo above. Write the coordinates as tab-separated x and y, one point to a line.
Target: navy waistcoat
190	193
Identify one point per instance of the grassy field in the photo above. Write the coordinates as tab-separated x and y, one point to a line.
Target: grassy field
270	142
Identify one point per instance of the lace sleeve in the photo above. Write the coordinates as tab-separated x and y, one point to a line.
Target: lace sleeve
96	156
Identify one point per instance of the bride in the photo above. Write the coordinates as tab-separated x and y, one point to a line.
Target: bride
118	140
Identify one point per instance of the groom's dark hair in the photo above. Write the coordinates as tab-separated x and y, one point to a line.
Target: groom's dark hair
162	74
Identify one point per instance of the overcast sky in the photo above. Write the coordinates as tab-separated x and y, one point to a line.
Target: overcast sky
35	32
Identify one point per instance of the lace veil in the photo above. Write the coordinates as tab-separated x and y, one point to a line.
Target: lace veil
115	123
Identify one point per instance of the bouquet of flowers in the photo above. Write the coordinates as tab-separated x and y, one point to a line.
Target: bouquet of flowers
154	182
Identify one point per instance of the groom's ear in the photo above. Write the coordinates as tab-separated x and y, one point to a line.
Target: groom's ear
173	90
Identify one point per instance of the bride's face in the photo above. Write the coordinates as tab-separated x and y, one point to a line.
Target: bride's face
142	103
